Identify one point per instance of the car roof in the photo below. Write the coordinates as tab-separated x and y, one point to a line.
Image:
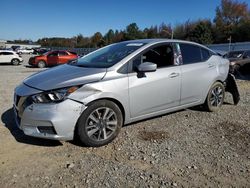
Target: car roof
160	40
7	51
155	41
58	51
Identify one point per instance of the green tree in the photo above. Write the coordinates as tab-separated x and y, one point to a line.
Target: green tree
97	40
119	36
109	37
228	16
165	31
151	32
242	32
132	32
202	32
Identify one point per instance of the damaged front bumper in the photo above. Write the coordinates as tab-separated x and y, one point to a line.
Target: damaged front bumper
51	121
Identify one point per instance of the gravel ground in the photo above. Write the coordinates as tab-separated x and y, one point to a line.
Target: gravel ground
189	148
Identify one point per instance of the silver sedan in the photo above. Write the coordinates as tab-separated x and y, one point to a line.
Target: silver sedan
93	97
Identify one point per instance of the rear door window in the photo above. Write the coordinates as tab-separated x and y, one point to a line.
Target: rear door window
53	54
190	53
61	53
205	54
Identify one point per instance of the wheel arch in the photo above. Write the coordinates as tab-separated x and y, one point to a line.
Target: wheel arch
117	102
211	84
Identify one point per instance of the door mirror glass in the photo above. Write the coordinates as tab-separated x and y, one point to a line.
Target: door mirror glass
147	67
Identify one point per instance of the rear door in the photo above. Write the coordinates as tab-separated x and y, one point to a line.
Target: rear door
198	71
157	91
63	57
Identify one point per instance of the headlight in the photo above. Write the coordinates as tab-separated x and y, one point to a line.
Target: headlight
54	95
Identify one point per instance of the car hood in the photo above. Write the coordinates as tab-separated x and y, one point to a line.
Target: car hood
64	76
38	56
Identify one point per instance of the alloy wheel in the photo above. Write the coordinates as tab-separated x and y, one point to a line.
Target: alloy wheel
101	124
216	96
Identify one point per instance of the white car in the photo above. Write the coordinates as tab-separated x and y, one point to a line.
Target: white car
7	56
25	51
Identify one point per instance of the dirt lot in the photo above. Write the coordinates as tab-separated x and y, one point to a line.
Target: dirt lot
189	148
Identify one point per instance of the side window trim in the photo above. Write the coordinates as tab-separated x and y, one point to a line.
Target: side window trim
177	54
203	60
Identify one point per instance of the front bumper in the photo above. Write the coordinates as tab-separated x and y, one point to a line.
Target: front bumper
55	121
32	61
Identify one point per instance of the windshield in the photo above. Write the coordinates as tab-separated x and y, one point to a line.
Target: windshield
108	56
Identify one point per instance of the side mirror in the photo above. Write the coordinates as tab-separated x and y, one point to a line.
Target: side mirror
147	67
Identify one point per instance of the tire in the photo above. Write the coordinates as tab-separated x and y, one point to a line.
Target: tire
215	97
99	124
41	64
15	62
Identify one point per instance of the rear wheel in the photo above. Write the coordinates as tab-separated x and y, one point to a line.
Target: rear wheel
100	123
15	61
215	97
41	64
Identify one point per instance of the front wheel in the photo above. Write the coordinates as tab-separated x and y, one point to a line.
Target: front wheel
41	64
15	62
215	97
100	123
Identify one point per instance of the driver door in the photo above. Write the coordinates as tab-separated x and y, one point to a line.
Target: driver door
153	92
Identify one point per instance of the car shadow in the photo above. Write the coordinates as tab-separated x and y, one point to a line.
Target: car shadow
29	66
9	122
8	64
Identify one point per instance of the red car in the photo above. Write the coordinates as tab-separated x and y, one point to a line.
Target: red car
52	58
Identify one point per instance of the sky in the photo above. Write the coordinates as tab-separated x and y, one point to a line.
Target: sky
31	19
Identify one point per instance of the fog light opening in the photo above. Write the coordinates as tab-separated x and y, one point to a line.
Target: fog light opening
46	129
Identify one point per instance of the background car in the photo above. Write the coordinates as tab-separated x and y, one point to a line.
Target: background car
238	59
52	58
40	51
10	57
25	51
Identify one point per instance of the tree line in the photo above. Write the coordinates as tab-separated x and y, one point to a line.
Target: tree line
231	22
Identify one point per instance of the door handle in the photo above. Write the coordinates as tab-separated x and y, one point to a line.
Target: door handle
173	75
